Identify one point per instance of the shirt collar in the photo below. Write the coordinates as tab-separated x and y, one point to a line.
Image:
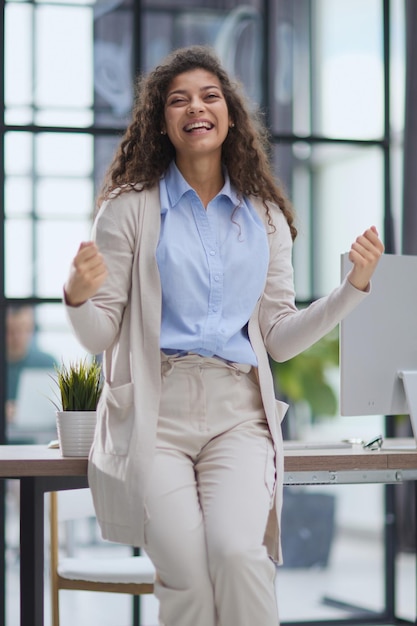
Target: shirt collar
177	186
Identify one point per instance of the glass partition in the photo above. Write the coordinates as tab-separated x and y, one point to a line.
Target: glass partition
317	68
326	68
54	67
337	192
49	199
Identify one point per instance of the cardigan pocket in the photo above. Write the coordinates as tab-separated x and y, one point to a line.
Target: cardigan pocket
281	409
115	414
270	471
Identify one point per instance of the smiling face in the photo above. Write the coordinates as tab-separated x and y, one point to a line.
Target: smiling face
196	116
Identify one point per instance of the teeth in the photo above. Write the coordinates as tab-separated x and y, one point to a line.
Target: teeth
194	125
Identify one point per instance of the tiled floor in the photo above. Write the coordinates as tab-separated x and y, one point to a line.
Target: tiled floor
353	576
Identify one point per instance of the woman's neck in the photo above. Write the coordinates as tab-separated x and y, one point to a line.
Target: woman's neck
205	177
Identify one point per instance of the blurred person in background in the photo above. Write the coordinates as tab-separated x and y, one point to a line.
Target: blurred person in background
22	351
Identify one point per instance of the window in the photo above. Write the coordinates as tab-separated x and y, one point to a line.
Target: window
329	75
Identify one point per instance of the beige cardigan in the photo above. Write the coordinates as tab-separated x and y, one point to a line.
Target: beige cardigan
124	319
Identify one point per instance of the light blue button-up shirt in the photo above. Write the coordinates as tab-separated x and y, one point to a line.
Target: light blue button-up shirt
213	264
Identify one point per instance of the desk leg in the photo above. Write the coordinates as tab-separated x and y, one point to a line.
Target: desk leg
31	552
390	537
2	552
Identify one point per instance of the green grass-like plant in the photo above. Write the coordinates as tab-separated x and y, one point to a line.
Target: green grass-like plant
79	385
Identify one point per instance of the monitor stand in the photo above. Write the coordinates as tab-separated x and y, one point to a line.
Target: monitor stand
409	379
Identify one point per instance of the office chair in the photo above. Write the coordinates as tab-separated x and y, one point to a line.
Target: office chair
131	575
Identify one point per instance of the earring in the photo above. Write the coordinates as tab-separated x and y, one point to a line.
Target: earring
231	125
163	132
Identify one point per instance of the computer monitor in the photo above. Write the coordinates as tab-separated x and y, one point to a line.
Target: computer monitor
34	407
378	343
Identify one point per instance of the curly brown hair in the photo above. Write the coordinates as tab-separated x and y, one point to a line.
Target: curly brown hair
144	154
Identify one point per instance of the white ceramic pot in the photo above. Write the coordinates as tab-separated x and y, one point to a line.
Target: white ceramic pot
75	431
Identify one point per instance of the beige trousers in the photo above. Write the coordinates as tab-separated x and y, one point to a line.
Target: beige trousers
211	491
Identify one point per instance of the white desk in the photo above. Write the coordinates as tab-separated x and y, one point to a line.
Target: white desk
40	470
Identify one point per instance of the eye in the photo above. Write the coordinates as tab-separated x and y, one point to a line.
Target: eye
176	101
212	96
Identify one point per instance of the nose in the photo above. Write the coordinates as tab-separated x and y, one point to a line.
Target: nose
195	106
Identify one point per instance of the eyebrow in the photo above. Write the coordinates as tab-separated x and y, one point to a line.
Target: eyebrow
184	91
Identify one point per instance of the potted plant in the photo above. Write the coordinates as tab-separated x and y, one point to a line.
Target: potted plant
303	381
79	387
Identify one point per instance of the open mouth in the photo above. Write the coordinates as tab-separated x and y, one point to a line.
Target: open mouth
198	126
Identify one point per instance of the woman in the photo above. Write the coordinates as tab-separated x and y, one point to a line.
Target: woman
187	287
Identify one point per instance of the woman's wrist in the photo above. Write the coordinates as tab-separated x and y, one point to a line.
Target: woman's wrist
69	302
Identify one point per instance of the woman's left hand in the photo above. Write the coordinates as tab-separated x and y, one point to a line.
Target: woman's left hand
365	253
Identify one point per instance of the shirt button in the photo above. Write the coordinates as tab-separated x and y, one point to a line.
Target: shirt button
216	278
215	309
212	253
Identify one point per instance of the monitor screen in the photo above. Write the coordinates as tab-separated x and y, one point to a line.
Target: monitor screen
34	406
379	339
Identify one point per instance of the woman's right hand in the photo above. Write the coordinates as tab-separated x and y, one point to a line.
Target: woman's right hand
87	274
